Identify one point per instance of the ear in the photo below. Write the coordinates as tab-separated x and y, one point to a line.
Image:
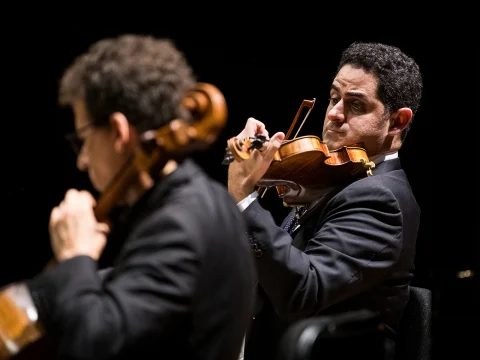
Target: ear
121	130
399	121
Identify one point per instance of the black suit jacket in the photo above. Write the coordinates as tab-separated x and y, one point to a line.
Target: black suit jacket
354	251
180	288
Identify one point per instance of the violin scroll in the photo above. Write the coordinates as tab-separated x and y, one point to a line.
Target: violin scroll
238	150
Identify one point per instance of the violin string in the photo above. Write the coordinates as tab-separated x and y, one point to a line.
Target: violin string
305	118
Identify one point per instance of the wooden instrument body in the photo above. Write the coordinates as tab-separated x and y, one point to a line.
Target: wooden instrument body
303	169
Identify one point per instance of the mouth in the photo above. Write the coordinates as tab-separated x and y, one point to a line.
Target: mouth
332	127
333	131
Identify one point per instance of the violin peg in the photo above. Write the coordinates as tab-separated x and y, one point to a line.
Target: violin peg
255	145
228	158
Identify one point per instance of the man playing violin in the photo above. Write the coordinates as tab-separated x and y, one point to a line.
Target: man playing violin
181	285
354	246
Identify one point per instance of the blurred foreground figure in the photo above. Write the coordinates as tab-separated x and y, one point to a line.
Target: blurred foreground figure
181	283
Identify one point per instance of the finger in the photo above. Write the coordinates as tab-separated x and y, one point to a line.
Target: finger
103	228
69	201
273	145
76	200
55	216
256	127
88	197
253	127
70	194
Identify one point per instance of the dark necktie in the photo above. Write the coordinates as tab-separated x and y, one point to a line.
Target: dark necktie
293	218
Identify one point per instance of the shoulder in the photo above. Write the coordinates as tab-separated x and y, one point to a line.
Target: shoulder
388	192
370	187
196	203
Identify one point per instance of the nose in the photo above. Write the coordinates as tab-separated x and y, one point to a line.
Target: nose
82	161
336	113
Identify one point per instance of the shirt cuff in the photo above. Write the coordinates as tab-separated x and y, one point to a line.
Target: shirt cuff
242	205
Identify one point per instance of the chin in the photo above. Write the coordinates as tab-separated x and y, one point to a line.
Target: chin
330	144
97	185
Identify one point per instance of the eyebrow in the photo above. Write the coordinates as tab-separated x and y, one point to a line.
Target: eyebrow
351	93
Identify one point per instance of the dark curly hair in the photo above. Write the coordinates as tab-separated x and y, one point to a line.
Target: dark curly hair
399	78
143	77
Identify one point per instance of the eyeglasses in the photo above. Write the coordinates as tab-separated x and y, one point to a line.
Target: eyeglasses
76	142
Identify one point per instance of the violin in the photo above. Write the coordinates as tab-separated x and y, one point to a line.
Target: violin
20	329
303	169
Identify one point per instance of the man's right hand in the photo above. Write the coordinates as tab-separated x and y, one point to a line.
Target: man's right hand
244	175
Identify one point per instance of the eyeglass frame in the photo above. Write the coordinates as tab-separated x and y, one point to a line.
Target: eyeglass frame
74	139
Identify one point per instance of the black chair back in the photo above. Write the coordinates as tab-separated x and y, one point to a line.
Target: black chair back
414	333
345	336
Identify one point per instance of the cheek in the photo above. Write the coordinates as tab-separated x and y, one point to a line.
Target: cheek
325	122
99	155
366	127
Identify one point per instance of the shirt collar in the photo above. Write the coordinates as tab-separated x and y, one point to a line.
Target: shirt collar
377	159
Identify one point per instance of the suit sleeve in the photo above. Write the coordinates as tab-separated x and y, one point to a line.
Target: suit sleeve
143	300
355	246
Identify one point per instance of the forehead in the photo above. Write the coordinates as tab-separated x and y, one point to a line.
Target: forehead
80	113
350	80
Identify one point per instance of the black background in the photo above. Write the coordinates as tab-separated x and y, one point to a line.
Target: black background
265	75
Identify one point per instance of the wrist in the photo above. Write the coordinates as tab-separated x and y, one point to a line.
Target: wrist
64	255
240	192
69	254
